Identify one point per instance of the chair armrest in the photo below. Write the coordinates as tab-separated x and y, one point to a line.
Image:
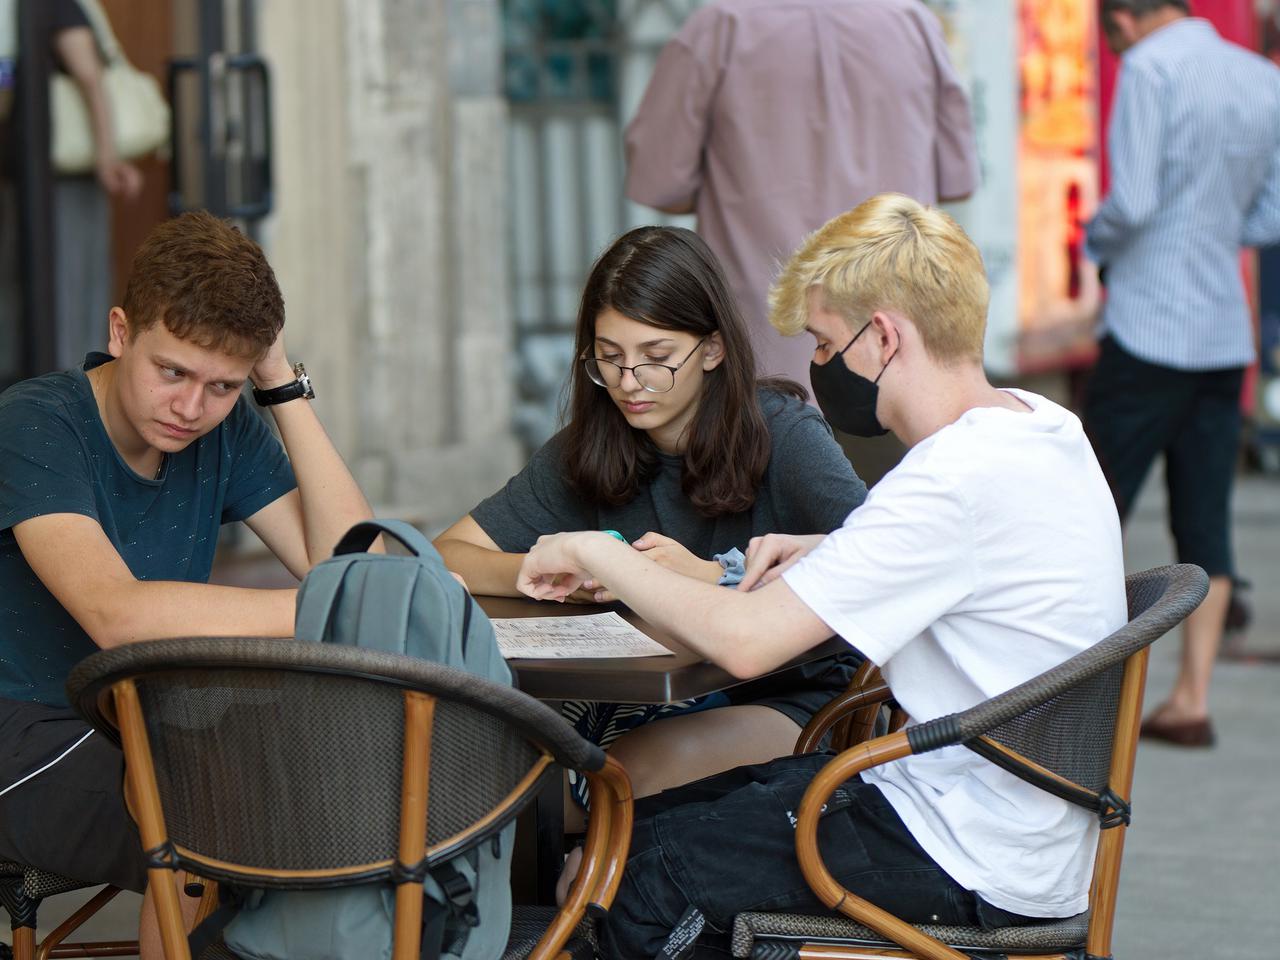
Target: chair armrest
843	707
843	767
604	855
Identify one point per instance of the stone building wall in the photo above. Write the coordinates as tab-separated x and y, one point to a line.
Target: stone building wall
390	239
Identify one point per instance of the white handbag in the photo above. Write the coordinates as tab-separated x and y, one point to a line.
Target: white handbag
139	113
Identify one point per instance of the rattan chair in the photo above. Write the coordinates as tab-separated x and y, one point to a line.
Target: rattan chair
1072	731
23	888
278	763
851	717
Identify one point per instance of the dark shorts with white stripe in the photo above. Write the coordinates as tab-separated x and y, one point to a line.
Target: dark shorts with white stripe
67	817
1135	411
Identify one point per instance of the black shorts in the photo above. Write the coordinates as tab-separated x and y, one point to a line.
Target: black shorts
1135	411
727	844
802	691
62	808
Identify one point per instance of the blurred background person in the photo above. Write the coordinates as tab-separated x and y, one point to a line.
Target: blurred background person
1195	174
81	203
767	119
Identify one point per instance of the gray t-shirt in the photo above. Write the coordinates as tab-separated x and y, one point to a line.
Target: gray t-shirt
808	487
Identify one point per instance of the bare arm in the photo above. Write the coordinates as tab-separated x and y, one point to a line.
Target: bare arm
78	52
471	553
746	633
303	527
76	562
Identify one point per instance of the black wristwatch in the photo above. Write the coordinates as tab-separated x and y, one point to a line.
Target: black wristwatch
301	387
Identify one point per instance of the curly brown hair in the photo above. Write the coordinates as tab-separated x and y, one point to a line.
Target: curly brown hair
208	282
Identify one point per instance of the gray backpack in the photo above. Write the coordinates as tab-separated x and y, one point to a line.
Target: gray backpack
409	605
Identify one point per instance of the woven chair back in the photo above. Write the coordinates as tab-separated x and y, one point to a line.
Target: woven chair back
1072	734
287	756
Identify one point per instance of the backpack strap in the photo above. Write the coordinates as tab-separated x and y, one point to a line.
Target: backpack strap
311	619
431	946
231	899
100	24
360	537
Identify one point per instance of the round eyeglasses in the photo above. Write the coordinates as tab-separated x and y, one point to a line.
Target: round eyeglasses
652	377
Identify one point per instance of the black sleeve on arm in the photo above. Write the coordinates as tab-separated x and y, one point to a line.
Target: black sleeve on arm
536	501
65	14
815	486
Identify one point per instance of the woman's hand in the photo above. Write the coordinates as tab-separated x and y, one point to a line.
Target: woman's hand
773	553
666	553
551	570
675	556
590	594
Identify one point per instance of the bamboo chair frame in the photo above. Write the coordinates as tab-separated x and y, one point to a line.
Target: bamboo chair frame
25	946
54	945
607	842
850	718
913	943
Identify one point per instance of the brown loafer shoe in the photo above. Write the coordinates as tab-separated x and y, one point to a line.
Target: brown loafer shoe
1181	733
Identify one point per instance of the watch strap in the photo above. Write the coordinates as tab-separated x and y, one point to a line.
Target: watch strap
301	387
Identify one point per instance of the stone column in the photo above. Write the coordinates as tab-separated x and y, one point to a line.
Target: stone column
390	239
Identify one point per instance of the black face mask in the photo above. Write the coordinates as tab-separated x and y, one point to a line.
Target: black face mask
848	399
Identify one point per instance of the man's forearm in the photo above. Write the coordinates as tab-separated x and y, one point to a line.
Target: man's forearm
734	630
331	501
156	609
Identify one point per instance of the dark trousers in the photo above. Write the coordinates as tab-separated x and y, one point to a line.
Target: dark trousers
69	818
726	844
1135	411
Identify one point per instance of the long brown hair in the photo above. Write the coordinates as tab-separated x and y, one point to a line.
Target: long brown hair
667	277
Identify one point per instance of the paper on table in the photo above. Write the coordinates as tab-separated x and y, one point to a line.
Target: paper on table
597	635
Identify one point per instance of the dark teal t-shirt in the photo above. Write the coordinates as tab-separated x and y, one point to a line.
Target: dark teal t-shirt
55	457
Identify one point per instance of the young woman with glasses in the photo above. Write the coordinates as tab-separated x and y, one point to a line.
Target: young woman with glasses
672	441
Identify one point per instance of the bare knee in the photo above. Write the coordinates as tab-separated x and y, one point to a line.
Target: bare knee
681	749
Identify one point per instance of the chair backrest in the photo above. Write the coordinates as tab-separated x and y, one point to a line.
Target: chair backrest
284	763
1062	726
1074	729
1077	720
285	755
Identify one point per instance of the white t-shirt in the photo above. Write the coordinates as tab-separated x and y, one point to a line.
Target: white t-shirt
988	555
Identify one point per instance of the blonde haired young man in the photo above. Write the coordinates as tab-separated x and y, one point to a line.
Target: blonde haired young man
988	555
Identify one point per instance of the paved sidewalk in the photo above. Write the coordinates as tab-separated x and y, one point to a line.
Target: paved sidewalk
1201	874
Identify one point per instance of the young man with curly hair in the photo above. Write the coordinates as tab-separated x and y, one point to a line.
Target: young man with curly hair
115	478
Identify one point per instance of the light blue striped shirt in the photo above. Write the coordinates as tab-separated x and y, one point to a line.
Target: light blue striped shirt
1195	175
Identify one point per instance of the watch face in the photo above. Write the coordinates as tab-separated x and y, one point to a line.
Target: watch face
304	381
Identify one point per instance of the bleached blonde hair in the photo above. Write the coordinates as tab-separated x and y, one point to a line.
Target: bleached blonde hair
891	253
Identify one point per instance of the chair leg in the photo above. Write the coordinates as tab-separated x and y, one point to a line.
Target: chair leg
24	943
53	947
